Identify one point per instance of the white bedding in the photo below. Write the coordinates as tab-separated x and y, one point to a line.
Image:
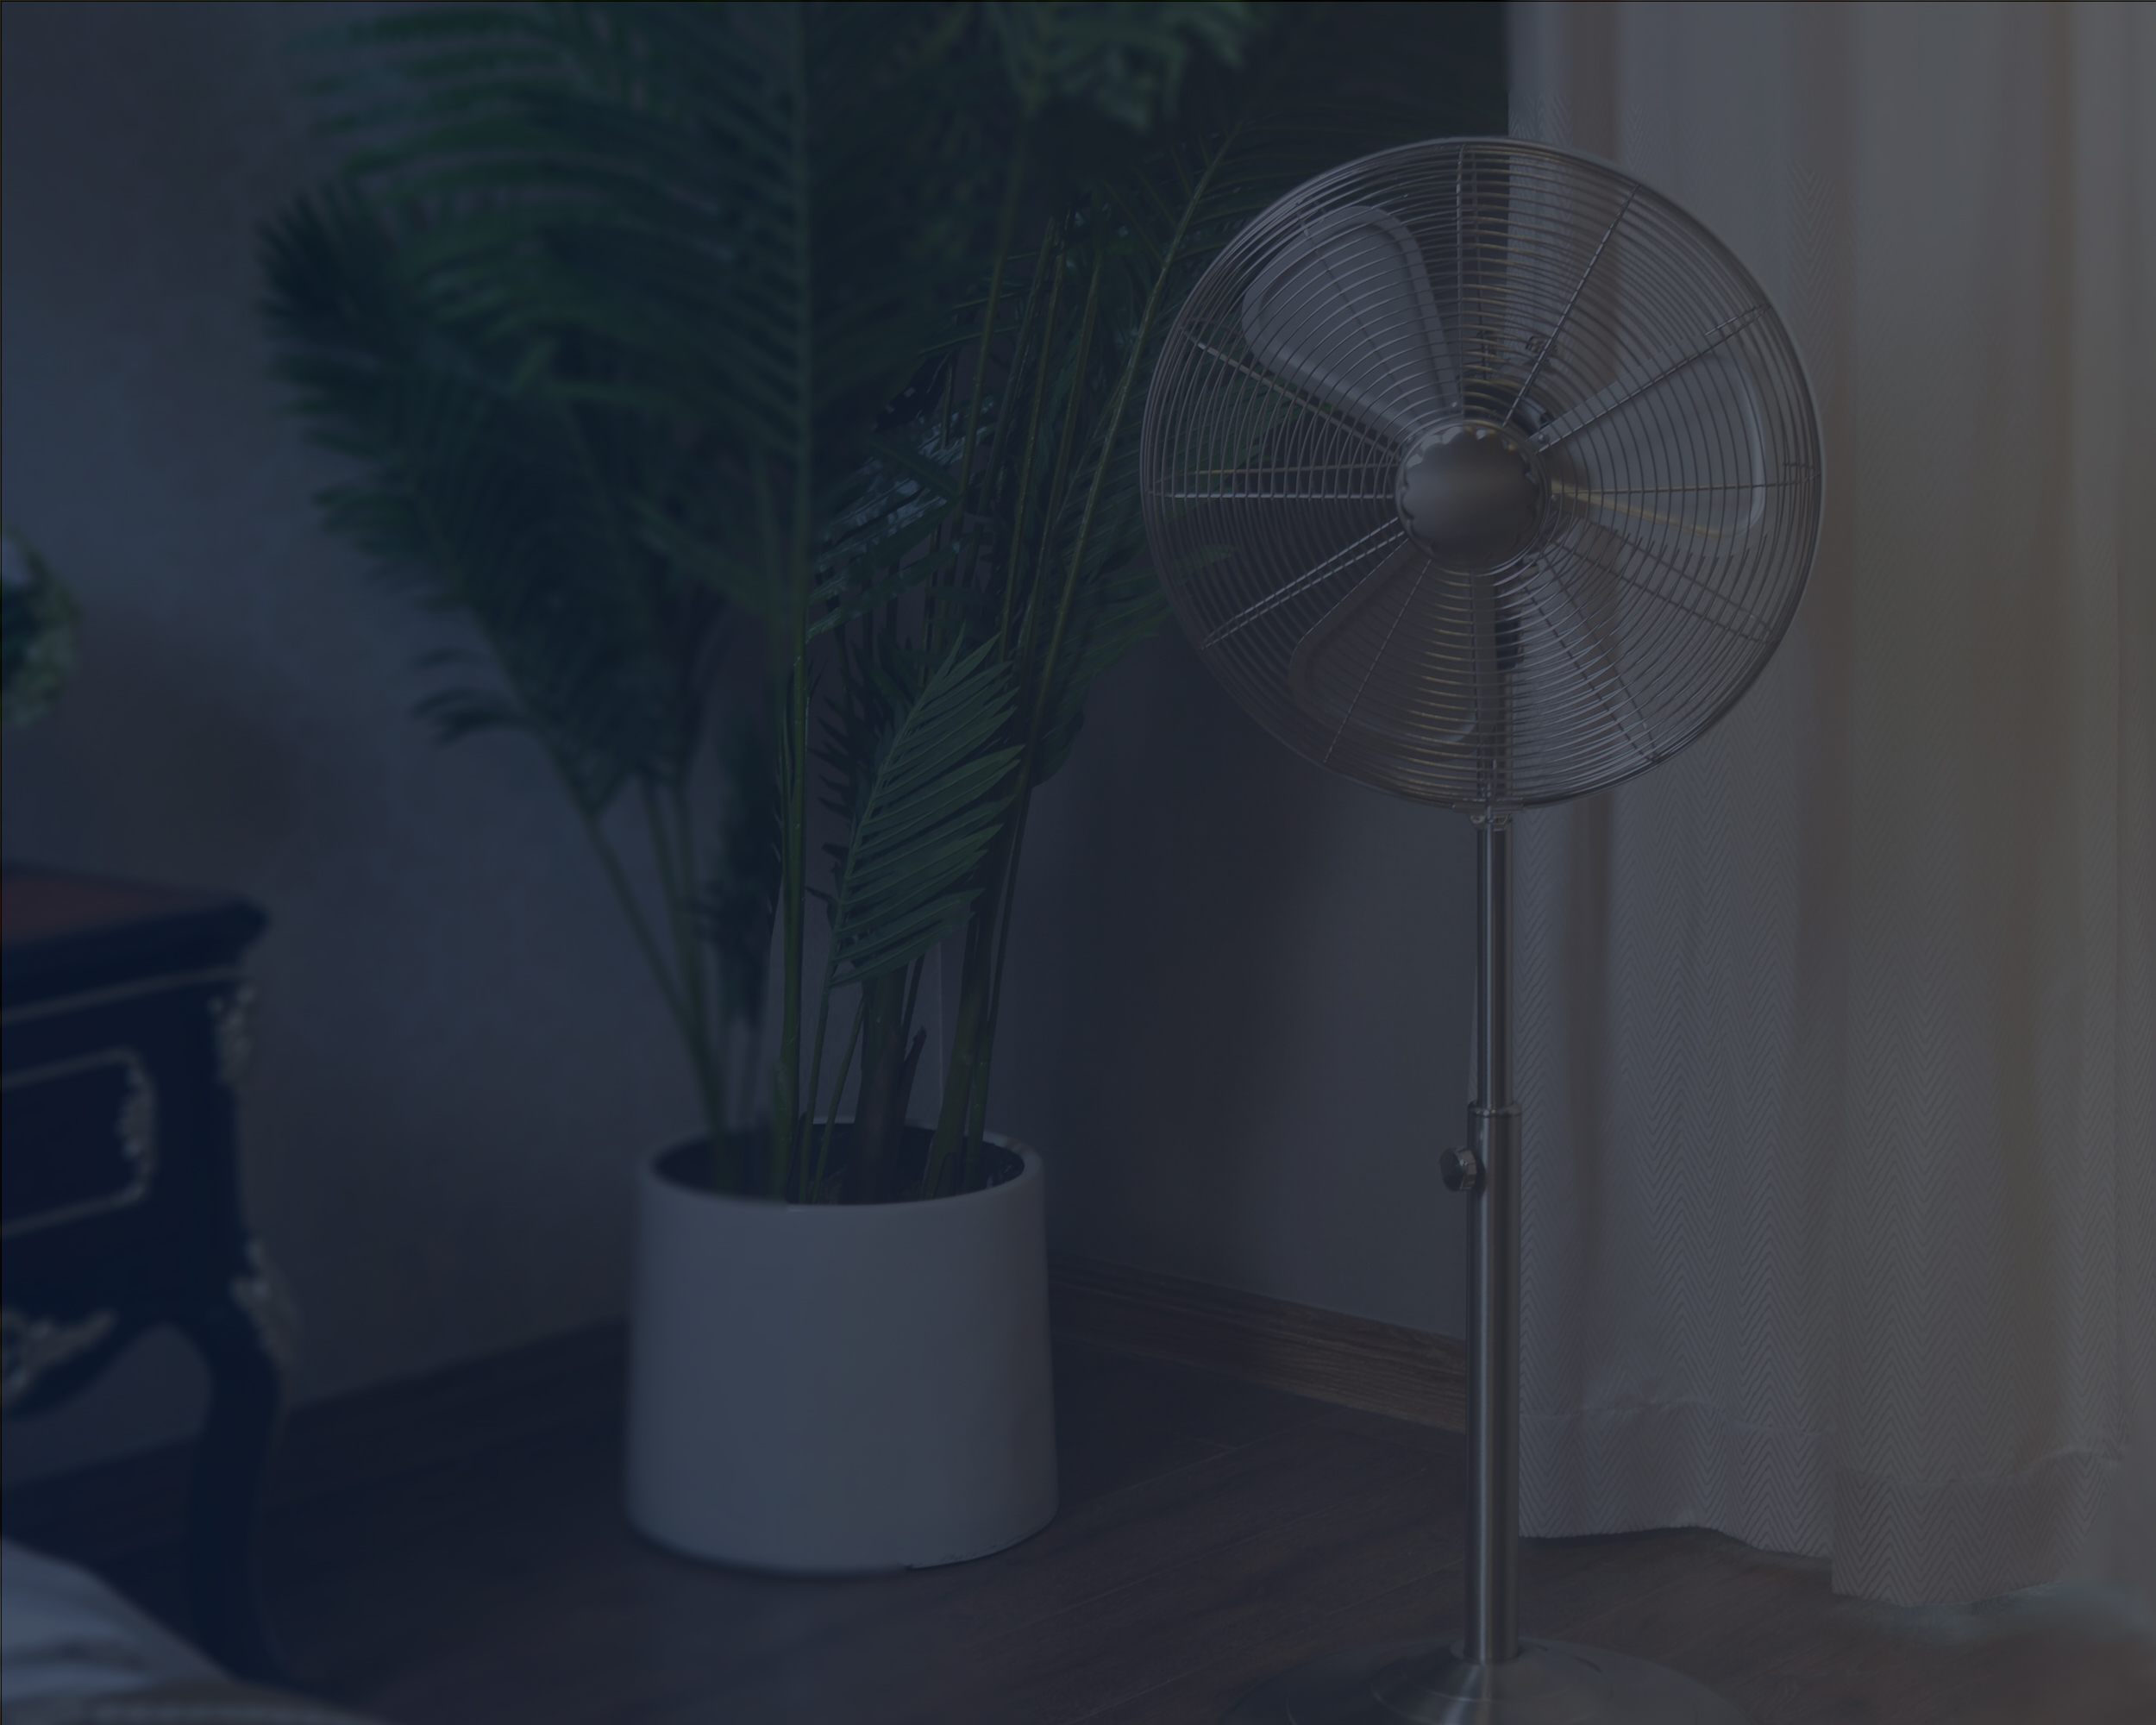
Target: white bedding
64	1633
73	1652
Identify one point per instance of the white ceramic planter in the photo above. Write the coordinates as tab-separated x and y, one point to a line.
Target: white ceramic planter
840	1387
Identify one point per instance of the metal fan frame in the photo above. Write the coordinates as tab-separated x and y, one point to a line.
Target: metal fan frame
1490	1676
1608	732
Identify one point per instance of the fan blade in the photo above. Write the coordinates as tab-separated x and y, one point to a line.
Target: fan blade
1381	540
1641	568
1572	644
1415	620
1641	379
1680	462
1344	310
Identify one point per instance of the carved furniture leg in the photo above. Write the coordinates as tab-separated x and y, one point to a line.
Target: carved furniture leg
247	1397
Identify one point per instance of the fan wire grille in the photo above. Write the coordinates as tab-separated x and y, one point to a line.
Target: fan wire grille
1654	518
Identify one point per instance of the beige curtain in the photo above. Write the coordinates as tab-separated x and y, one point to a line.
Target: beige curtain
1838	1033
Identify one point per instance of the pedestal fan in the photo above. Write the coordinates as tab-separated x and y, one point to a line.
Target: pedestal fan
1480	472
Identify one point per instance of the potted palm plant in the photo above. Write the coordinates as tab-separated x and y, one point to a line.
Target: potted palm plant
761	383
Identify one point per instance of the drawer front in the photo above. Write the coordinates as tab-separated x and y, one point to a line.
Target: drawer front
80	1138
119	1117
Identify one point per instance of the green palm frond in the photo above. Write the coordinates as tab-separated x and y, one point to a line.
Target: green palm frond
927	813
740	895
1114	615
486	499
750	208
1125	58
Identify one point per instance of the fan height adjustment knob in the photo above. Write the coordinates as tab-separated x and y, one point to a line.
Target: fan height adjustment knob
1460	1171
1470	495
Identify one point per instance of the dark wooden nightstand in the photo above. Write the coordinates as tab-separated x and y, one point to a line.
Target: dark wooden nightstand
125	1020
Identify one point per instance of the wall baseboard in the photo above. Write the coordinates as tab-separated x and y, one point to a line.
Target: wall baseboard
1356	1362
409	1426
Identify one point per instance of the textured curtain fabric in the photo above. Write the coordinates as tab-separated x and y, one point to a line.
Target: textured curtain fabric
1837	1032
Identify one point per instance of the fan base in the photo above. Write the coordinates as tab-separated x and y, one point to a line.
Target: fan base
1426	1683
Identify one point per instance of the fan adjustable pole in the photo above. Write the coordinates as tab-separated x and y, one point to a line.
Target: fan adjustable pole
1488	1676
1492	1635
1493	1270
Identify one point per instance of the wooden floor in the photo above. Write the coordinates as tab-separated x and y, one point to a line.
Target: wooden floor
1211	1533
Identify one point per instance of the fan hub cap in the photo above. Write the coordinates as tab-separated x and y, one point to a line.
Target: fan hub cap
1470	495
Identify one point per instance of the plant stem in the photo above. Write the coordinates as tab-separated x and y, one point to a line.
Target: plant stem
618	878
702	980
959	1076
965	1097
703	987
695	1020
913	991
786	1102
1051	260
1087	322
885	1079
1006	225
977	1121
838	1092
1139	344
787	1085
710	1088
815	1058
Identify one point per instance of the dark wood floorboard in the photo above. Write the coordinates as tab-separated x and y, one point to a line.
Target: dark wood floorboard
1213	1532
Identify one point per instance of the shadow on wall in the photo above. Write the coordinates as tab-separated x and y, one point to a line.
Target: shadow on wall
1241	1007
209	768
1191	841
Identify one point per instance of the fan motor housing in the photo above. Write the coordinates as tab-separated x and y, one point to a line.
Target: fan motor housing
1470	495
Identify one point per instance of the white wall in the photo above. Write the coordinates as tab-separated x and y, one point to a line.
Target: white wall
1241	1007
1238	1025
